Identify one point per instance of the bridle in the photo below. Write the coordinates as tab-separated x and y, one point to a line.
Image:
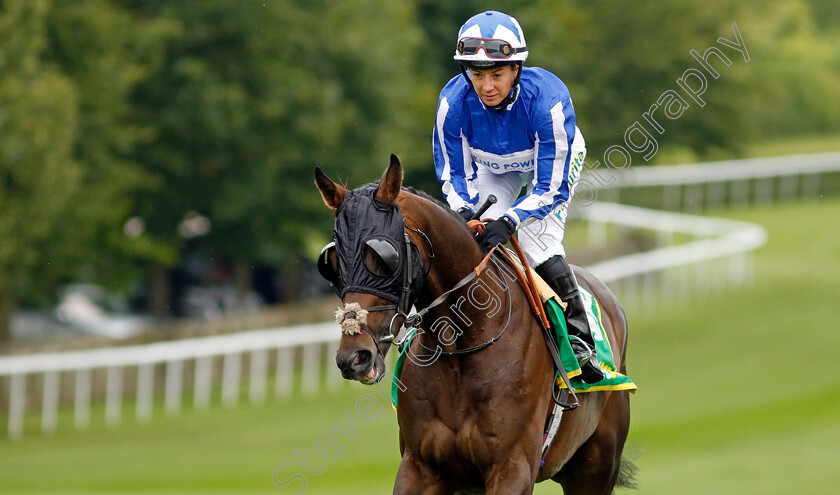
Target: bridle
403	307
413	320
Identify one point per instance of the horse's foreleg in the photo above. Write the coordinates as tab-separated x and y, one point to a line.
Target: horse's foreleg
415	478
513	476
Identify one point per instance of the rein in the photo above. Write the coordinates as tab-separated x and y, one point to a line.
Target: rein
352	317
414	320
526	281
527	284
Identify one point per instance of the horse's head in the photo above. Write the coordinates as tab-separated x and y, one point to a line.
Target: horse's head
375	268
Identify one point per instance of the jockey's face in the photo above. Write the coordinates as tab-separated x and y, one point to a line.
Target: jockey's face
493	85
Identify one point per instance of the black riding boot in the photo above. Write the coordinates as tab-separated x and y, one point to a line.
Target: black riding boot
558	274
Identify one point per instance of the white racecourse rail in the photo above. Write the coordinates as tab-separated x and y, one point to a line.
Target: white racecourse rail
693	186
720	252
718	239
311	338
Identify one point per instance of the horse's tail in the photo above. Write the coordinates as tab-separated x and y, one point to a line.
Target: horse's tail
627	474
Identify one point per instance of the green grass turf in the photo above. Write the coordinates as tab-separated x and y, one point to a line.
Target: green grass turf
217	451
739	393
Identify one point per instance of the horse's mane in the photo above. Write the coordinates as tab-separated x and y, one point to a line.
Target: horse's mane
439	203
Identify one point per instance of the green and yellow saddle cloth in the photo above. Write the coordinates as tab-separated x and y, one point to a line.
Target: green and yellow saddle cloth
613	380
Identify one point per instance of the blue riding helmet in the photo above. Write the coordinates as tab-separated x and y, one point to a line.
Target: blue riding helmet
490	39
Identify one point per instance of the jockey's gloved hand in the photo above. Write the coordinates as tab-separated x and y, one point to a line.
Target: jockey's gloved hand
465	213
497	232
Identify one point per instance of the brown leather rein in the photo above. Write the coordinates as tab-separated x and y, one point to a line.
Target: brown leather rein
526	280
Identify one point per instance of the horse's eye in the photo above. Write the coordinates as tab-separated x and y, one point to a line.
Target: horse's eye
381	257
327	265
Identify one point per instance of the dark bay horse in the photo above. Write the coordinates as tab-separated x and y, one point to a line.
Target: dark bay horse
472	422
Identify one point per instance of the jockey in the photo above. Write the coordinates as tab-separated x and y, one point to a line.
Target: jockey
501	126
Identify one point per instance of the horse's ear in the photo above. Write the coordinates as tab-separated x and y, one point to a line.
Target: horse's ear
332	193
391	182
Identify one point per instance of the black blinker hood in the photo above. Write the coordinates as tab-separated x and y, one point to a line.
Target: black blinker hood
361	217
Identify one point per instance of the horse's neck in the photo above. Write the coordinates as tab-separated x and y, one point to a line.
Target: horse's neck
456	253
470	310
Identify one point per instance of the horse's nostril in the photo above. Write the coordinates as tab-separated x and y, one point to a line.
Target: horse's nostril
354	362
362	360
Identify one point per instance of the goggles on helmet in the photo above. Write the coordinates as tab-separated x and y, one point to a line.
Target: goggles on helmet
494	48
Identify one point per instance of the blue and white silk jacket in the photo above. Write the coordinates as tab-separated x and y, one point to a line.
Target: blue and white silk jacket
533	135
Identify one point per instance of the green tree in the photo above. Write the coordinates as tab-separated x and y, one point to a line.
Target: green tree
65	137
38	174
619	57
249	98
796	70
105	52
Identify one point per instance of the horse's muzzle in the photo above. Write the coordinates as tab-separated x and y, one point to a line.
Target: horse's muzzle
361	365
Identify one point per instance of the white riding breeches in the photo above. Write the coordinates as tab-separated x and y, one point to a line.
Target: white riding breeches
540	239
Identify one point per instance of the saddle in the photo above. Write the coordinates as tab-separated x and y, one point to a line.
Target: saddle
548	309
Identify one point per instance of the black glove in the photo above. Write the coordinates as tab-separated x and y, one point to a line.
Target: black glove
465	213
497	232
